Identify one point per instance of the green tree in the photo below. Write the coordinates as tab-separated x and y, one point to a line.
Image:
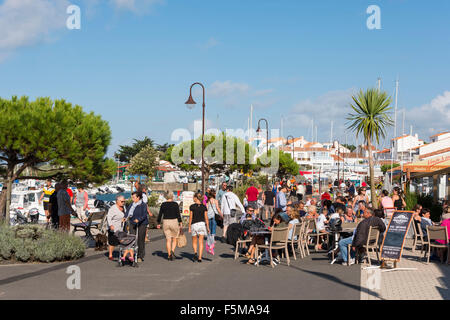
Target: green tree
73	143
125	153
144	162
370	119
350	147
386	167
223	154
286	165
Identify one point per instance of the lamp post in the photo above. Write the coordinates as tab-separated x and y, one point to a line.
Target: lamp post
287	143
267	134
190	104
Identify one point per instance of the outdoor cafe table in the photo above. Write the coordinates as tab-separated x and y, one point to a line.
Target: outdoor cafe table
337	235
266	233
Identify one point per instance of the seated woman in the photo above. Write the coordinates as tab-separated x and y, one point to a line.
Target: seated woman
277	222
294	217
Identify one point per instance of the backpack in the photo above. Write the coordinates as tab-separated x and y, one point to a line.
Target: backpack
234	232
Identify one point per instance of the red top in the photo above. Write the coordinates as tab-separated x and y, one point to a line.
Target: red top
252	194
69	191
325	196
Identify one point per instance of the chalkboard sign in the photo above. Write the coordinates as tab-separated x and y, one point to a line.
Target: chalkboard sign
395	234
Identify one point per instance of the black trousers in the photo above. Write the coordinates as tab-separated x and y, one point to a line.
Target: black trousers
142	229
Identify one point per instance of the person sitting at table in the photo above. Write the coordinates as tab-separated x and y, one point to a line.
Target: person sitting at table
321	220
327	207
294	219
362	230
312	212
425	221
349	215
276	222
361	208
301	209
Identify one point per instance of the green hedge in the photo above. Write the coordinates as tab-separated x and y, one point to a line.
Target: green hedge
30	243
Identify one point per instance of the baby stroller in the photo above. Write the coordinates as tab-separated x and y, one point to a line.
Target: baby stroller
128	242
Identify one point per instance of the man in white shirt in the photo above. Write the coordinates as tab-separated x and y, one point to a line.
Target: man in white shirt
230	201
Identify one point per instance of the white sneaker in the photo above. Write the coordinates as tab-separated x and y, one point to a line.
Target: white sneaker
352	261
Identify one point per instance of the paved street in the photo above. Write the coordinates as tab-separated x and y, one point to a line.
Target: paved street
426	282
219	277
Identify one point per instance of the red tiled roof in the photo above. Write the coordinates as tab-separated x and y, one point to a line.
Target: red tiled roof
434	153
439	134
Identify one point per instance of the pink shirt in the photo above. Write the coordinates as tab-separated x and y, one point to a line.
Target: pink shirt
387	202
445	223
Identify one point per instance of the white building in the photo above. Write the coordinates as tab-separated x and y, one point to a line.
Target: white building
439	146
406	147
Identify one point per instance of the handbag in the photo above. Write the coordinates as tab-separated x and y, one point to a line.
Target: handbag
181	240
232	211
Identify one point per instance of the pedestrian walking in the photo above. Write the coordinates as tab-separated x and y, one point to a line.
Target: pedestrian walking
81	203
228	206
172	224
213	209
269	203
47	191
115	219
138	216
198	225
64	208
252	196
53	207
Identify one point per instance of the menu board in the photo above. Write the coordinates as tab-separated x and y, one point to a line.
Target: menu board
188	199
395	234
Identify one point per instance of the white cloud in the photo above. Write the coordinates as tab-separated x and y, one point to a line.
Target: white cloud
211	43
332	106
136	6
226	88
234	94
430	118
27	22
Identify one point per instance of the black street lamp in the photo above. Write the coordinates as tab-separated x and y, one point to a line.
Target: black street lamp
287	143
190	104
267	134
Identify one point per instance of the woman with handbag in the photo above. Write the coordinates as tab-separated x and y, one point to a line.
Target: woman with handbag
198	225
172	224
213	210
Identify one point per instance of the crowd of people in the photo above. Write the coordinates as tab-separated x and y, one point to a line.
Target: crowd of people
282	204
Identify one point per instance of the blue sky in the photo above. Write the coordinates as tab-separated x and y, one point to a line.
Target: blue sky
133	61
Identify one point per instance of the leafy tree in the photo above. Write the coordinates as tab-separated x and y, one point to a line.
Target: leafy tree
163	147
386	167
286	165
144	162
370	118
73	143
350	147
125	153
223	154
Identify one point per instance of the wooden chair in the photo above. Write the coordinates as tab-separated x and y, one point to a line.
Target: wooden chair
437	233
372	244
317	234
297	233
240	244
95	220
418	237
278	240
308	224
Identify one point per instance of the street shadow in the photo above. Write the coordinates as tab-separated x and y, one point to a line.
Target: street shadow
332	278
226	255
57	267
160	254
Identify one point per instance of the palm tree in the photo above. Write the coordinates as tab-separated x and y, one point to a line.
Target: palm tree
370	118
